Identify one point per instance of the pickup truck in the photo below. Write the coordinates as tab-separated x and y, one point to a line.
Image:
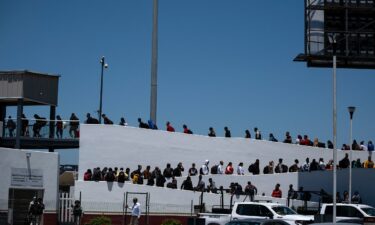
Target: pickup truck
255	210
348	211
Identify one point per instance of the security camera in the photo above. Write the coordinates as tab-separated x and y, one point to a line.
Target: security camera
106	65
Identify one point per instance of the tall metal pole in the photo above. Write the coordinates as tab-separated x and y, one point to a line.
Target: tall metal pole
154	63
334	132
102	62
350	156
351	112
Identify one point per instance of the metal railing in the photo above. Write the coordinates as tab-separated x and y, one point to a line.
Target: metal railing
40	128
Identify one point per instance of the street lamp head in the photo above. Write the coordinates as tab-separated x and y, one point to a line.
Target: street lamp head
351	110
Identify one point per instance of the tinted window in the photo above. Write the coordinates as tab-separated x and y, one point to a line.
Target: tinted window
247	210
253	210
282	210
344	211
369	211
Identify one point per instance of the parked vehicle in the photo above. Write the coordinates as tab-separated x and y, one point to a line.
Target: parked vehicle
348	211
257	222
256	210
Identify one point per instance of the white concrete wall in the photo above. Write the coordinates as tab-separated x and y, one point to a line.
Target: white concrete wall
117	146
109	196
103	145
47	162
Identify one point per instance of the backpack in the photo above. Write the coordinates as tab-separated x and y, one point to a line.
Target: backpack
121	177
214	169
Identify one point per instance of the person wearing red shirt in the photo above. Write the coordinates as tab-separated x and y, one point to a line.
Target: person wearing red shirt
276	193
229	169
169	127
187	130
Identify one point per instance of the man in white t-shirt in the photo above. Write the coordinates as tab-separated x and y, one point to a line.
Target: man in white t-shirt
204	169
240	170
136	212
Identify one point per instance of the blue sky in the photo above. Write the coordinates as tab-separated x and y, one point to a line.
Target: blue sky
221	63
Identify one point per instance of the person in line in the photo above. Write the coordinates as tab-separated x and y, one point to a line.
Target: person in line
251	190
368	164
11	126
356	198
152	125
227	132
169	127
201	186
177	172
186	129
254	168
123	122
345	162
280	167
142	124
272	138
106	120
211	132
292	194
370	148
269	168
306	166
193	171
24	126
220	168
74	124
240	169
204	168
229	169
288	138
88	175
136	212
59	127
295	167
211	187
247	134
91	120
258	135
277	193
187	184
168	172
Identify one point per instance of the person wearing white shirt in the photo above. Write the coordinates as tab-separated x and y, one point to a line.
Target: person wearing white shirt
220	168
204	168
240	170
136	212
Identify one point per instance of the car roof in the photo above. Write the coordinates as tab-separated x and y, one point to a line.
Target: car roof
261	203
346	204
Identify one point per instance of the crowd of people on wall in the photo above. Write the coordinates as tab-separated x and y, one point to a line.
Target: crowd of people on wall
167	176
73	124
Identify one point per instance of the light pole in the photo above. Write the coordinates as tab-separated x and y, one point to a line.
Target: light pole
351	110
104	65
154	63
332	40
